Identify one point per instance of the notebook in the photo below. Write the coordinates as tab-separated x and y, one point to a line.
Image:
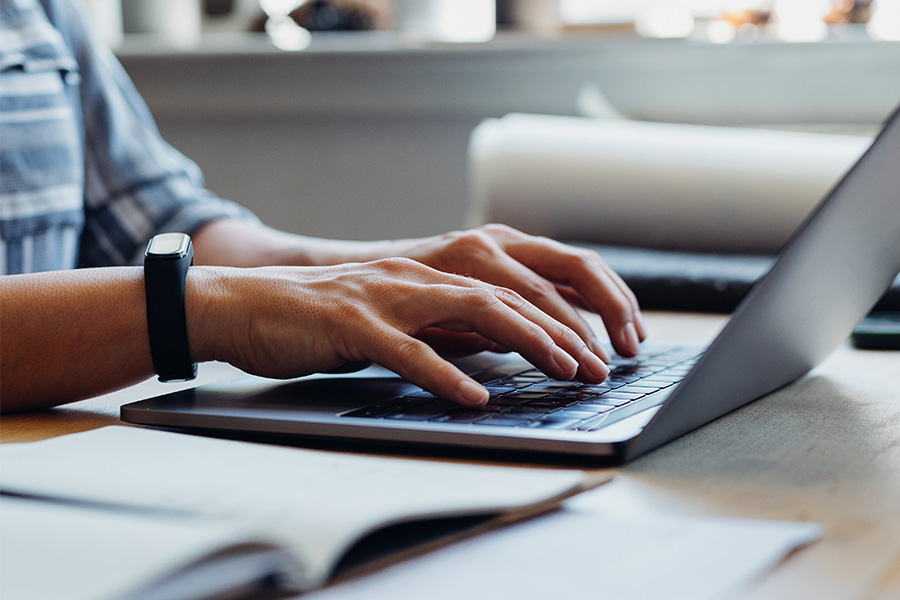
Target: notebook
833	270
128	512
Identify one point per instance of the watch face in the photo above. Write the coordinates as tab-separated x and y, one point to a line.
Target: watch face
169	244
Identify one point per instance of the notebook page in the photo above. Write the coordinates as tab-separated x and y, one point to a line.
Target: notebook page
56	550
318	503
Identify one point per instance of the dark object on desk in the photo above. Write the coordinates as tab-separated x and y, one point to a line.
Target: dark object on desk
878	331
342	15
697	282
337	15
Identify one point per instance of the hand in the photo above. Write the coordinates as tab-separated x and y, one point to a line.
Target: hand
291	321
554	277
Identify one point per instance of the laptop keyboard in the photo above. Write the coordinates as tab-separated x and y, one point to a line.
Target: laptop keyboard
531	399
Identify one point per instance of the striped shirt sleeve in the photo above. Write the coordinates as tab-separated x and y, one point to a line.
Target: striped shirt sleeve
136	185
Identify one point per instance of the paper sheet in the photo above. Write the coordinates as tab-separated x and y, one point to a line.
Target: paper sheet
589	553
689	187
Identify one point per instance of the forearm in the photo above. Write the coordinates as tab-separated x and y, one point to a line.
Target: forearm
70	335
238	243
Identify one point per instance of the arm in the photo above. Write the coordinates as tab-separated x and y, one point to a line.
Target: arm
68	335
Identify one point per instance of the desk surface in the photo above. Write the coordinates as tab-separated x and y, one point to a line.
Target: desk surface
825	449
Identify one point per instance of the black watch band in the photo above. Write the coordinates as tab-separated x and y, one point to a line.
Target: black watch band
166	263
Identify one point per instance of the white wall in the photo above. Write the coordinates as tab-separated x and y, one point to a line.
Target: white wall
365	137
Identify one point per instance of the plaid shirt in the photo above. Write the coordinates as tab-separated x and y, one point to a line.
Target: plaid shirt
85	179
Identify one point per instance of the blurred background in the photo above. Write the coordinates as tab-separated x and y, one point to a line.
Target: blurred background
354	118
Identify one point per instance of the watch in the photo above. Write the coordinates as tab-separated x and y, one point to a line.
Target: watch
166	263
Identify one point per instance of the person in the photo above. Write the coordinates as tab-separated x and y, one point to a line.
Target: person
87	181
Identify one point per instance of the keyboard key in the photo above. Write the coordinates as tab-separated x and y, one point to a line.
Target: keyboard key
462	415
525	395
409	401
528	408
420	413
636	389
533	375
504	420
421	394
574	395
603	401
623	363
555	385
505	384
599	388
617	395
622	378
506	401
642	373
411	416
553	402
495	390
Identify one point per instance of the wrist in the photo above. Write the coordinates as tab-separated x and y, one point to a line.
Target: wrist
166	262
207	312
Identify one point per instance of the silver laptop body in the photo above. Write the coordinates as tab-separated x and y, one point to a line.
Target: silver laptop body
830	274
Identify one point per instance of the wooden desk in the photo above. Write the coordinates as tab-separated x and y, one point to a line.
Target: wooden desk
826	449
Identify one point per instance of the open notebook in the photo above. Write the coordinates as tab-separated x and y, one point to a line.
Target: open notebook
122	512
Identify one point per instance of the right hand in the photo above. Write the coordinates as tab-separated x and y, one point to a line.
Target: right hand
291	321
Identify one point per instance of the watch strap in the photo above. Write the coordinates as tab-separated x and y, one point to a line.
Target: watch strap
164	284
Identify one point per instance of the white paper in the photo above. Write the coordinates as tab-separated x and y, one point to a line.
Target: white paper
590	554
653	184
317	503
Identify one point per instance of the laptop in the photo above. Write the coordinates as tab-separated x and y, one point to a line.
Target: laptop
830	274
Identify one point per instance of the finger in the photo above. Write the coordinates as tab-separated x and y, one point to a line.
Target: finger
629	294
501	269
575	299
417	362
440	299
585	272
506	318
592	360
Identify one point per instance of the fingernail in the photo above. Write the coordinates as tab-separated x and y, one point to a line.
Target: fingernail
631	337
594	364
565	362
600	350
472	393
641	325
